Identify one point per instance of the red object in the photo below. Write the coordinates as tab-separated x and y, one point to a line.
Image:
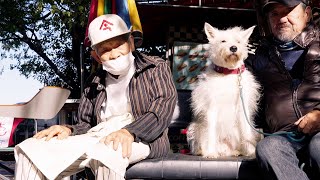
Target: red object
16	122
184	151
183	131
92	15
113	8
227	71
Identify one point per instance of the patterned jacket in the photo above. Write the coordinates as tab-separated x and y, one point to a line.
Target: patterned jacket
153	98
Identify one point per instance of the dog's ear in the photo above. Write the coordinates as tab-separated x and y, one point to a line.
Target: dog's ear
247	33
210	31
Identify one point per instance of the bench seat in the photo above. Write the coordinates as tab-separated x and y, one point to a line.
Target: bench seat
181	166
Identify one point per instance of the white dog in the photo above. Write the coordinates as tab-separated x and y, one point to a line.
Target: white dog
220	127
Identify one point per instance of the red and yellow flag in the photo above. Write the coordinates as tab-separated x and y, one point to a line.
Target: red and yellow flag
126	9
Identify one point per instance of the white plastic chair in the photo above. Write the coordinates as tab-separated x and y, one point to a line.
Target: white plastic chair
44	105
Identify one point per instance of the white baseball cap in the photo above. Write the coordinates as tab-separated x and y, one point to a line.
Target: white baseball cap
105	27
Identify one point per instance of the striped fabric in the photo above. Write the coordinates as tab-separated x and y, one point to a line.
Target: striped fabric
153	97
126	9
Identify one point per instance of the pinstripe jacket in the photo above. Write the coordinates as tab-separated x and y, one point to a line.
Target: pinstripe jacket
152	95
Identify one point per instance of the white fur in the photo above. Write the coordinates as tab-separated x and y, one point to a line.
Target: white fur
219	127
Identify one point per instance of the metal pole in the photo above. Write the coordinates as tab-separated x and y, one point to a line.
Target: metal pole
81	68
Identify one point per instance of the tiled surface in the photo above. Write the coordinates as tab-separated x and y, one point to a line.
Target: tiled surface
5	173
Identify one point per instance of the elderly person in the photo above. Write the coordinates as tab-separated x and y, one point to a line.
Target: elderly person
123	115
287	64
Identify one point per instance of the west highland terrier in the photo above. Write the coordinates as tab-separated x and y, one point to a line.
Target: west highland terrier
220	127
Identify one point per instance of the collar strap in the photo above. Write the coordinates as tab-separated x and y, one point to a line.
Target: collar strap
226	71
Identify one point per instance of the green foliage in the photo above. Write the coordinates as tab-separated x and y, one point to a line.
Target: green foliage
46	36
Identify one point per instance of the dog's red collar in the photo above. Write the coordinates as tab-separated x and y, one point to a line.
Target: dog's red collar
226	71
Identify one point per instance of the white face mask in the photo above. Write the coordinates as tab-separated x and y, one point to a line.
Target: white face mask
119	66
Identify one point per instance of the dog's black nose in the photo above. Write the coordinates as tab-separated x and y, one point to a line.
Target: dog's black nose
233	48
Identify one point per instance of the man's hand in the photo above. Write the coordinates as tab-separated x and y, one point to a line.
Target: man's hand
61	132
122	136
309	123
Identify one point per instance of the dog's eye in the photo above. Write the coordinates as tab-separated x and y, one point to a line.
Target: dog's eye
223	41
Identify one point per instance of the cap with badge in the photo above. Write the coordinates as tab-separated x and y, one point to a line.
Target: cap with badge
105	27
288	3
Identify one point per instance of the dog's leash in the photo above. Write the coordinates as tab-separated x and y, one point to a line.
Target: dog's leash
292	135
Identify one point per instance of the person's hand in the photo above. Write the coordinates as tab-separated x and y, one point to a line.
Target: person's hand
61	132
309	123
122	136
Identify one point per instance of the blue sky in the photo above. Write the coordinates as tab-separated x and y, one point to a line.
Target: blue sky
15	88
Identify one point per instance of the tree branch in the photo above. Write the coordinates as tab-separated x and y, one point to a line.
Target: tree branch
7	39
38	49
59	5
45	16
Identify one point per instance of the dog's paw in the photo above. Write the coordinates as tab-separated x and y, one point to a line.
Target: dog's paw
249	154
230	153
198	152
235	153
248	150
210	156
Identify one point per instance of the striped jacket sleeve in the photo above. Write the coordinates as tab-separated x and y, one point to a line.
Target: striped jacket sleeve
84	117
159	98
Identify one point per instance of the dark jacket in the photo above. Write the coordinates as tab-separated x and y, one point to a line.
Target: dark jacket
152	95
285	100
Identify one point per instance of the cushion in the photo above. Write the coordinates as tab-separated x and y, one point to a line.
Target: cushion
181	166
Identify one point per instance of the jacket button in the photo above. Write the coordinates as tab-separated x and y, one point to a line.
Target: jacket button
99	87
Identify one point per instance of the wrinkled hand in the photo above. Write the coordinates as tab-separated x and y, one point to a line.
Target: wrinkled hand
309	123
122	136
61	132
